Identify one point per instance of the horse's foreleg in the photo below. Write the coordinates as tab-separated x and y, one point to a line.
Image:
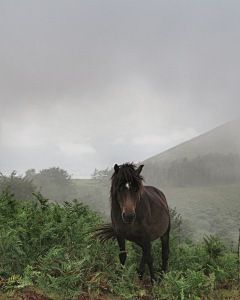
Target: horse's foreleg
165	250
149	261
147	258
123	254
141	268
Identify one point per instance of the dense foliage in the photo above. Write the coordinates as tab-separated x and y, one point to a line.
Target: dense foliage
54	183
18	185
47	245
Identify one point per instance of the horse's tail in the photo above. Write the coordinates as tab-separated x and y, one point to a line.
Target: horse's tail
105	232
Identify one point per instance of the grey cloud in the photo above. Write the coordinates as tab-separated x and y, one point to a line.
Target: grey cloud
88	73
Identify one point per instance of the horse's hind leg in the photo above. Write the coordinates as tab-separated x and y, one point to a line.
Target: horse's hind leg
165	249
123	254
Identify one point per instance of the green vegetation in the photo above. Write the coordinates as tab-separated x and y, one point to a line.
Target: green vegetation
54	183
18	185
46	246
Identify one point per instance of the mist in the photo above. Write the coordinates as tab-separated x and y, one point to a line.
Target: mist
87	85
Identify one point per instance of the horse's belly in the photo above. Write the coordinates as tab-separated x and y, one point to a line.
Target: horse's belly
138	234
158	228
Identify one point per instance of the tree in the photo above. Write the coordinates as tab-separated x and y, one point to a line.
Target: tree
95	174
20	186
102	177
30	174
54	176
54	183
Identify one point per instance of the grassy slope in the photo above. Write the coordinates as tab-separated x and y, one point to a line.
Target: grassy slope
213	207
211	198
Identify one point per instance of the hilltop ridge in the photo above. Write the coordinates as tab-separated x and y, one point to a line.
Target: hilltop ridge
223	139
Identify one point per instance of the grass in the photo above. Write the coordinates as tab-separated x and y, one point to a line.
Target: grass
212	197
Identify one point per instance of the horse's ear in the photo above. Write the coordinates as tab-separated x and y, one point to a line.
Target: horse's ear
116	168
139	169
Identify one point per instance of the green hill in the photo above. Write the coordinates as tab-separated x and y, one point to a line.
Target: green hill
223	139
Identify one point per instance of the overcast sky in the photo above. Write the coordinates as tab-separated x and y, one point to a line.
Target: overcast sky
87	84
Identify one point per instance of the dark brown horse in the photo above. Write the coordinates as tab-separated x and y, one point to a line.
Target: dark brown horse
139	214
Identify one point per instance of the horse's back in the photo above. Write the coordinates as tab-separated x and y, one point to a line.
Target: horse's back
160	219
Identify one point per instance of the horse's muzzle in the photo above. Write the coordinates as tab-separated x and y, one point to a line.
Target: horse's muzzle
128	218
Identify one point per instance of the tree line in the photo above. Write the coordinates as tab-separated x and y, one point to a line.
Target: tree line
102	177
54	183
200	171
204	170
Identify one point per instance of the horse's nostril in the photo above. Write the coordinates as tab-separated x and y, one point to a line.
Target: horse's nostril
128	218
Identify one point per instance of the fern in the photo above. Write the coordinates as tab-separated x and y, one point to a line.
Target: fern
47	245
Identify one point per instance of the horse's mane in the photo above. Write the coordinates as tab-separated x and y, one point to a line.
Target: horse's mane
126	173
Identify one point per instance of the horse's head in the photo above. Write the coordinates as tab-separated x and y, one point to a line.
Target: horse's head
126	189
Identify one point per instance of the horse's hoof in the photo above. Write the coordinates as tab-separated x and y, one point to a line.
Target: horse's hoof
159	280
153	280
140	274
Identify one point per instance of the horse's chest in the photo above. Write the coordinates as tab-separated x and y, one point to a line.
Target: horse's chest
134	235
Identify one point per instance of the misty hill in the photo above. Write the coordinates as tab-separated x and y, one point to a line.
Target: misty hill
223	139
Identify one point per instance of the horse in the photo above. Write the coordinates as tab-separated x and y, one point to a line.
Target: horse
139	214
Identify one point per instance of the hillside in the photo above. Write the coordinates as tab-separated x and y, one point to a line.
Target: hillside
211	209
223	139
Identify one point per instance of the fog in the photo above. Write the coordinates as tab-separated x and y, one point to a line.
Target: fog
88	84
